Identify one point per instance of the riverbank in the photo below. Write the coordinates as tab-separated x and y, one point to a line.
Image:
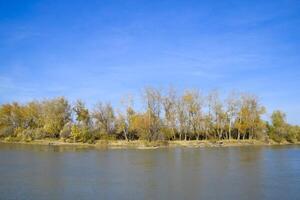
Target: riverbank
142	144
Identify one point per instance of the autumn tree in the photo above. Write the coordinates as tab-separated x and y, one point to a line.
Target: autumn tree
125	117
182	118
166	116
33	115
169	107
140	126
278	129
232	109
9	119
249	121
217	114
193	109
56	113
153	101
82	113
104	117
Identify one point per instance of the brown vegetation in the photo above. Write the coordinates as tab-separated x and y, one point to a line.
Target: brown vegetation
167	117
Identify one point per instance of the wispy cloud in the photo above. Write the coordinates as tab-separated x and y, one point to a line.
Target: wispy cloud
20	34
207	75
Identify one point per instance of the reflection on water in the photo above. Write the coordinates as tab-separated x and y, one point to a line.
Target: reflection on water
54	172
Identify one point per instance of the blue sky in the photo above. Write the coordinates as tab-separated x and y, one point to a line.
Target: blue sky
101	50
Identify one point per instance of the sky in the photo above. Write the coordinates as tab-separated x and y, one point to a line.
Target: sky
103	50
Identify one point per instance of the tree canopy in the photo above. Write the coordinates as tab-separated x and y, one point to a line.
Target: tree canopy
167	115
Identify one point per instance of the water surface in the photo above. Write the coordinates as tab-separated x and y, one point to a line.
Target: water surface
51	172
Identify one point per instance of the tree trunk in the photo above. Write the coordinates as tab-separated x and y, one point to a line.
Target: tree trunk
125	135
173	133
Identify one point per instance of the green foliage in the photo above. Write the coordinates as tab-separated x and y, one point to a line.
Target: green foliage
280	131
81	134
278	119
276	137
298	137
293	134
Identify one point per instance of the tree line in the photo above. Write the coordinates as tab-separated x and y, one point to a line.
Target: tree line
167	115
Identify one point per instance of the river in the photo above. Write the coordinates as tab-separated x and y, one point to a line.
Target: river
53	172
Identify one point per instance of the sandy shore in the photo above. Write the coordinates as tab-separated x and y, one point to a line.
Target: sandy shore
140	144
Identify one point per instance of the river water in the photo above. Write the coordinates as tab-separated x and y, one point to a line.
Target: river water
51	172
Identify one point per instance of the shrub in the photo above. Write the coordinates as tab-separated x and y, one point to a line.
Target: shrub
291	138
291	135
6	131
105	136
276	138
81	134
38	133
167	133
